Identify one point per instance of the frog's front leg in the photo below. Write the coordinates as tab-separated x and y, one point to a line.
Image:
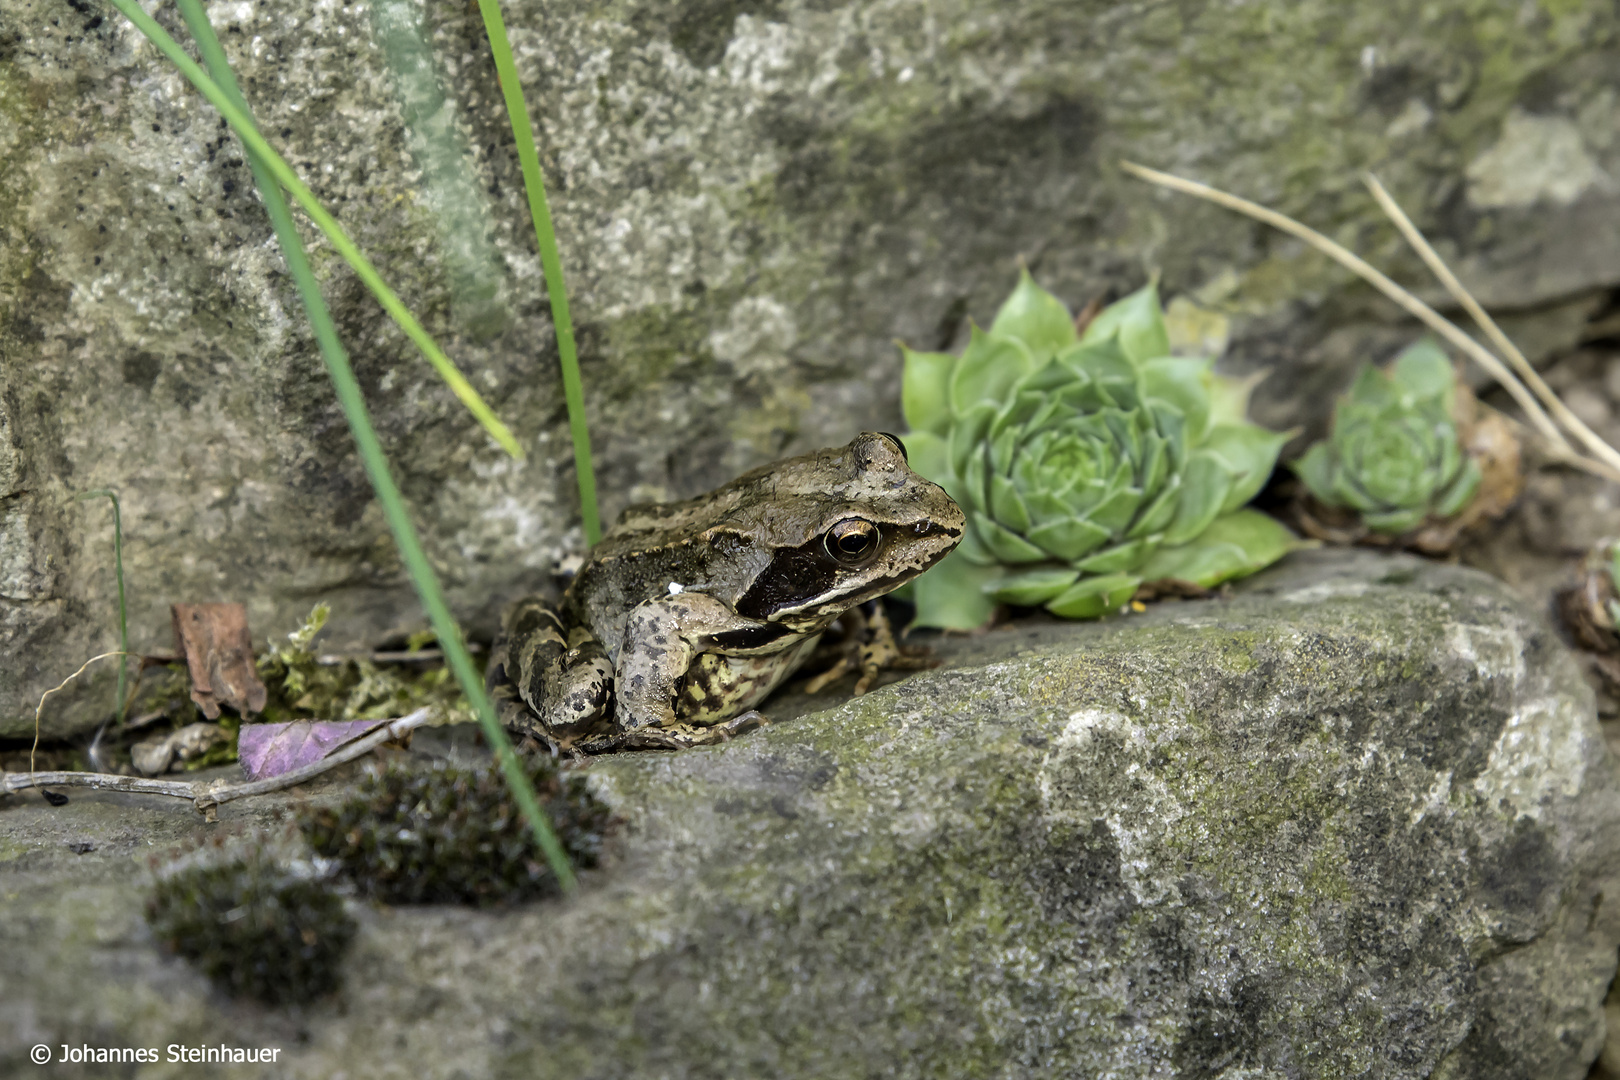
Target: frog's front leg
564	676
662	638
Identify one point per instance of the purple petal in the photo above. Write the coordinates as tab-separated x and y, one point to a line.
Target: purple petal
272	749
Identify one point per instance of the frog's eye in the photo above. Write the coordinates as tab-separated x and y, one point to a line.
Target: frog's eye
852	541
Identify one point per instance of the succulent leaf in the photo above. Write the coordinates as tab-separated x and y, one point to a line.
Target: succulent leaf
1462	490
953	593
1250	452
1033	586
925	390
1233	546
1137	322
1229	396
1184	385
1093	596
1315	470
1425	371
1036	318
987	368
1205	482
1081	463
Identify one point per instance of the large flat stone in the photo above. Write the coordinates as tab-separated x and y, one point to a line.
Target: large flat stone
754	199
1355	820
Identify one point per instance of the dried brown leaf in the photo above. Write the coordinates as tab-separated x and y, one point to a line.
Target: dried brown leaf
219	655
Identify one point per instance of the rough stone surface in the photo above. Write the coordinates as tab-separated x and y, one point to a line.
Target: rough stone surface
1355	821
754	199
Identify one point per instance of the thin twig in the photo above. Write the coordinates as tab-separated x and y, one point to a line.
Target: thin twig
11	783
1559	410
40	708
1437	322
207	796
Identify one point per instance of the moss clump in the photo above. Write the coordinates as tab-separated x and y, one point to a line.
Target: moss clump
301	687
446	834
257	926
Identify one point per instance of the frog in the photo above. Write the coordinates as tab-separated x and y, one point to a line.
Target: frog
686	615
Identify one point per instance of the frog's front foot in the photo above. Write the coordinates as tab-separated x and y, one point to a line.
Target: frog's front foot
870	647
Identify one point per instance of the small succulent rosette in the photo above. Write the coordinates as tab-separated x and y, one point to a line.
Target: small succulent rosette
1088	465
1591	610
1412	459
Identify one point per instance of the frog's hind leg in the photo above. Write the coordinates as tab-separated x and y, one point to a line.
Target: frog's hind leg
547	681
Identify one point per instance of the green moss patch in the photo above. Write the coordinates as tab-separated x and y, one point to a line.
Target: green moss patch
257	926
446	834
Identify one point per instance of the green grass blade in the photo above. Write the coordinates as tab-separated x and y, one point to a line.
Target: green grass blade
123	609
371	452
534	182
285	177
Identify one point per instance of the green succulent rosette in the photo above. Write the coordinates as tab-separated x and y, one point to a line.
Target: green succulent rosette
1086	465
1394	455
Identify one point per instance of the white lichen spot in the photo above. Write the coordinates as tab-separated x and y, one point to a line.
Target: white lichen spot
1139	809
1493	650
1541	754
757	337
1086	723
1435	800
1537	159
914	827
1325	590
676	588
522	526
760	55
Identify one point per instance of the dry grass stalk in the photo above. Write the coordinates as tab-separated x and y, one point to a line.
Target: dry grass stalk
1537	416
1572	423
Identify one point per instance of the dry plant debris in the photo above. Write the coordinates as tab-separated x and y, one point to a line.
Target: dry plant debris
218	652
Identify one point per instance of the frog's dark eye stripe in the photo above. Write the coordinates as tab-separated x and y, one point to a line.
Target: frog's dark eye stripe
853	541
896	440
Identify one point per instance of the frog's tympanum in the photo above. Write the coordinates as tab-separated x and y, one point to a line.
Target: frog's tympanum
687	614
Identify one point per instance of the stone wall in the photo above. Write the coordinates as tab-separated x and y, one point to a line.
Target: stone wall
753	200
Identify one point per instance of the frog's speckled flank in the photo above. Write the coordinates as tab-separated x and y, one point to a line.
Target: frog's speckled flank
688	614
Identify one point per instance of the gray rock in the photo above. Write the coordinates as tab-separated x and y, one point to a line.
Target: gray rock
754	199
1356	820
